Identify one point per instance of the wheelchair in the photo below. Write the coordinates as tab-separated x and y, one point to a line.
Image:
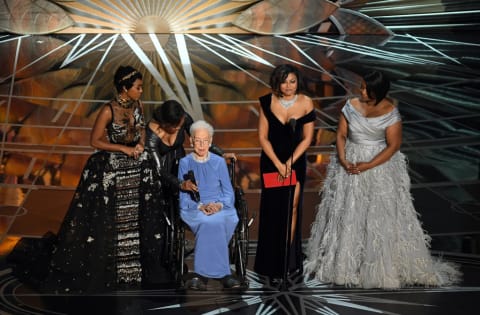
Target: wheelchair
238	247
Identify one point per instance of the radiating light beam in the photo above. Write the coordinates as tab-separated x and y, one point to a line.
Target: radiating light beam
168	66
189	76
150	66
206	44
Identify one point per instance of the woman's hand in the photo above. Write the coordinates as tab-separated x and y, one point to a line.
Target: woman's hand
210	208
188	185
134	152
283	170
349	167
288	166
139	148
355	169
230	155
362	167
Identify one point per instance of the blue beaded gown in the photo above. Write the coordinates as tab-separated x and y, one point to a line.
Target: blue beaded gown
366	232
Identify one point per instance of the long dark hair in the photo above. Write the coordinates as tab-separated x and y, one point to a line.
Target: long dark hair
280	74
377	85
125	76
169	113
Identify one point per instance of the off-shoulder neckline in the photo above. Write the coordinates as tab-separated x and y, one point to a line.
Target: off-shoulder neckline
372	117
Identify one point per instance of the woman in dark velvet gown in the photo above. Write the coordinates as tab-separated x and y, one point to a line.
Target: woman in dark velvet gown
165	137
286	126
111	236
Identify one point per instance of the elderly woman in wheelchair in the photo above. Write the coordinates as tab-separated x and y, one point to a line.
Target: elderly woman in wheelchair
208	210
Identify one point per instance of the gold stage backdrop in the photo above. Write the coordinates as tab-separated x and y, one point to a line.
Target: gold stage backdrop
215	57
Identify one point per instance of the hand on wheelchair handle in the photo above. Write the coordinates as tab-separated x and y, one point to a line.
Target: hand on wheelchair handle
230	155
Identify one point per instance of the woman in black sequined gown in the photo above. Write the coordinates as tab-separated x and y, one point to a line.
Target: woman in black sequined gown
113	232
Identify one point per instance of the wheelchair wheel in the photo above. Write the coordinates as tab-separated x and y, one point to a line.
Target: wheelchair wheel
180	267
170	235
239	243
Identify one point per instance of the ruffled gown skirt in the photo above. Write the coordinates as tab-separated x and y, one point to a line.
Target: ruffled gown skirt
367	233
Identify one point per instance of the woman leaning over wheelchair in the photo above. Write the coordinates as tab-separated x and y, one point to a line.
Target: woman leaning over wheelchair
211	213
165	135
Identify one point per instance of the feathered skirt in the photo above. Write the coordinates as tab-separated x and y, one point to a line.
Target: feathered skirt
367	233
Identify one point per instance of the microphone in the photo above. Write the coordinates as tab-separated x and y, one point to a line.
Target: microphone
292	122
195	194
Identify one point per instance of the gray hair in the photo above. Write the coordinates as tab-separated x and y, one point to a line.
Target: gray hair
201	124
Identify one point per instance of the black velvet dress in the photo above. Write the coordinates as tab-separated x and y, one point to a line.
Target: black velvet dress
276	203
166	158
112	236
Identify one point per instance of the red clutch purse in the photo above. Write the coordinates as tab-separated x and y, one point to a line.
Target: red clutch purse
270	180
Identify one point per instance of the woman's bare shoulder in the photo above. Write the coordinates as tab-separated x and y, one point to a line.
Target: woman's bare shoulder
106	110
354	101
393	102
306	101
388	105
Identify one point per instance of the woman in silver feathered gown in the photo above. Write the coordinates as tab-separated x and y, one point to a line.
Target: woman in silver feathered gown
366	232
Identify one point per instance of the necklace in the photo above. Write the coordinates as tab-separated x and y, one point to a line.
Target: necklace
201	159
124	102
287	103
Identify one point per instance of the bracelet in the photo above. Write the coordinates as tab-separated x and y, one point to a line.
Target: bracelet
180	185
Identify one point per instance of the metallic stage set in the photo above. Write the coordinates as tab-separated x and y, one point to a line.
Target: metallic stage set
215	57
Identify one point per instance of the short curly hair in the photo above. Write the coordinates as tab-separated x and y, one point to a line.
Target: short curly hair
201	124
125	76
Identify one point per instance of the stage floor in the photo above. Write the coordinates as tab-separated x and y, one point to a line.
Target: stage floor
301	297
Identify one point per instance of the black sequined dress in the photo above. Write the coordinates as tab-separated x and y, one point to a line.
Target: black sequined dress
112	236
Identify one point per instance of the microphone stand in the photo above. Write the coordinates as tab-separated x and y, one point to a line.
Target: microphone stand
284	286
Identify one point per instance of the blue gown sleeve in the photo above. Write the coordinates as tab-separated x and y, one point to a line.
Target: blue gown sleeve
227	197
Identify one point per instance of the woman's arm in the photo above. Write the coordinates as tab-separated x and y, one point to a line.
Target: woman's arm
152	143
393	136
308	130
342	132
227	196
185	200
164	174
